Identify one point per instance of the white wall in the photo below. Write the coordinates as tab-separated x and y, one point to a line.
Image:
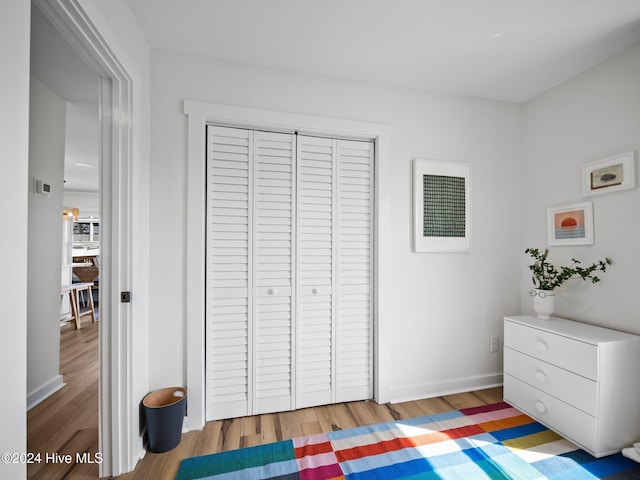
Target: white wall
588	118
14	184
444	306
47	120
83	145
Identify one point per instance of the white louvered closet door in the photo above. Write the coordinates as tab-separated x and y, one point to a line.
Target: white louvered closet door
335	255
274	186
316	271
228	272
289	271
354	335
250	271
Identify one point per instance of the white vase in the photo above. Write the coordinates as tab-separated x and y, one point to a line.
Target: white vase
543	303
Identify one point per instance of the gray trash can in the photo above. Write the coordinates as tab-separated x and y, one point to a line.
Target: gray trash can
164	412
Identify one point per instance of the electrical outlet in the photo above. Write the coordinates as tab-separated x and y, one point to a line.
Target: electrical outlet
494	344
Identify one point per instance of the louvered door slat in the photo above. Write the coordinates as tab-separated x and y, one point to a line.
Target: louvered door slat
355	286
274	269
227	270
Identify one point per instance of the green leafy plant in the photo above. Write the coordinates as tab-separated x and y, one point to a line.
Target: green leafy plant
547	277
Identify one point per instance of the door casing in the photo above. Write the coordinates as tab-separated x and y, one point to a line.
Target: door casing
199	114
118	436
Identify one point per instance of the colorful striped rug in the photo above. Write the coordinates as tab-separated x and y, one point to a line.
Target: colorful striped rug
488	442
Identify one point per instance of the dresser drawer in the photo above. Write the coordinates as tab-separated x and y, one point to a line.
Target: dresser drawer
569	387
564	352
568	421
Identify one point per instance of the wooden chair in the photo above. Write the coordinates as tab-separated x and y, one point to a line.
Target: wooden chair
74	291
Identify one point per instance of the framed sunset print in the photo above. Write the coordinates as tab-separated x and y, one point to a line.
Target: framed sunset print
610	174
570	224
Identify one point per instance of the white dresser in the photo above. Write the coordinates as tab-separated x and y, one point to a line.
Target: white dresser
579	380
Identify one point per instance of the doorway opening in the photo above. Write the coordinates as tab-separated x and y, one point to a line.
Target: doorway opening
64	253
117	446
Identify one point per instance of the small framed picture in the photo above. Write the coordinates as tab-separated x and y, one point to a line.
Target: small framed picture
442	206
570	224
610	174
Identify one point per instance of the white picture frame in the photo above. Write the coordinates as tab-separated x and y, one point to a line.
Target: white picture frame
441	223
570	224
610	174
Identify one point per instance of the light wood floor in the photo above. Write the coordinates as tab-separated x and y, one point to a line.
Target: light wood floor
67	422
243	432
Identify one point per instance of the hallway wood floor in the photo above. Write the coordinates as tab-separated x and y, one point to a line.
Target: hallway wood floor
67	421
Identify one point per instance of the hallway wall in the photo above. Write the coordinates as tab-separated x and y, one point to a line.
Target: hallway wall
47	120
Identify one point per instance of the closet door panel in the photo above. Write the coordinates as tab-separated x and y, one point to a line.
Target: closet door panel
228	273
354	277
274	241
289	271
316	170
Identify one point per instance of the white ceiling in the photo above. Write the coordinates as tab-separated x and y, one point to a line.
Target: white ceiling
55	63
500	49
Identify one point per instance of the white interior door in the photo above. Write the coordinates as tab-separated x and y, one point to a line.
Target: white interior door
316	270
354	286
289	271
335	265
228	272
274	234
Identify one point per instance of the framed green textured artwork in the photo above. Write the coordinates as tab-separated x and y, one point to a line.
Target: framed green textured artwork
442	206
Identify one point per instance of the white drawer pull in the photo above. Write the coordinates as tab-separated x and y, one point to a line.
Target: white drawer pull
541	346
540	376
314	291
541	407
272	291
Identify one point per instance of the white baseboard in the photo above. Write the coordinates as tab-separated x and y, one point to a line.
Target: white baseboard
141	453
44	391
428	390
185	424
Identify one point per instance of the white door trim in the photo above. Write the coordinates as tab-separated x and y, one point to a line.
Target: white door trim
117	432
200	114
